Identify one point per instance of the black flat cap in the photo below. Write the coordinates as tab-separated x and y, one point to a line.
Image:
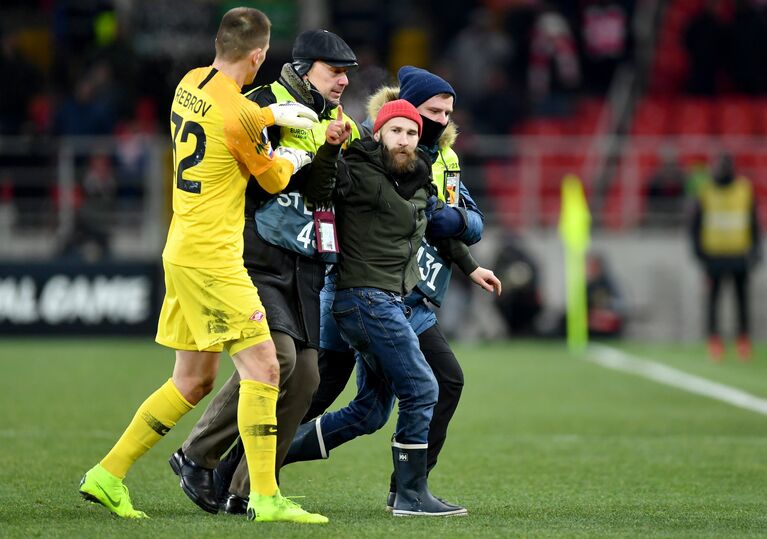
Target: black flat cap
324	46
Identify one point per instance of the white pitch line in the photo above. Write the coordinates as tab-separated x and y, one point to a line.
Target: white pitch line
621	361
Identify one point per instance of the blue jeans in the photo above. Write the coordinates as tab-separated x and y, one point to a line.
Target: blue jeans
330	339
389	364
420	319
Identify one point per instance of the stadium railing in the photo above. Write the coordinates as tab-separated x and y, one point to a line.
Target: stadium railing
45	185
48	186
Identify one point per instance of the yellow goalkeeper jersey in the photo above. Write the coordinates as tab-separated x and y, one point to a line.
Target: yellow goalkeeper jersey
219	140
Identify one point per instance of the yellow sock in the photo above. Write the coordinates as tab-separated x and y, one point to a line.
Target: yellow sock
154	418
257	421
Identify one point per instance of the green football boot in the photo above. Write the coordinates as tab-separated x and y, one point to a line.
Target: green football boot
100	486
278	508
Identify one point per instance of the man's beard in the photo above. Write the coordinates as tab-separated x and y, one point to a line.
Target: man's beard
399	161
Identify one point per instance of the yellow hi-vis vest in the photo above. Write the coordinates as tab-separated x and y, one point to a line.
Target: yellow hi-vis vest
285	221
726	218
306	139
436	271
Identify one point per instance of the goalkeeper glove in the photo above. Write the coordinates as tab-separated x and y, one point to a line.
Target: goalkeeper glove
293	115
297	158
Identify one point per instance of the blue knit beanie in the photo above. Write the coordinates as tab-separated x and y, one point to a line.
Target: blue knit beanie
416	85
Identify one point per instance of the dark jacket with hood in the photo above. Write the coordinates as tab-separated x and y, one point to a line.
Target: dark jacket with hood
381	218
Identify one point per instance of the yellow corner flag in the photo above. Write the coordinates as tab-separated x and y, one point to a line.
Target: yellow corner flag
574	229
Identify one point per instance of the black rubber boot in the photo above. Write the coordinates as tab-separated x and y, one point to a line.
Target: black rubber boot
413	497
393	496
306	444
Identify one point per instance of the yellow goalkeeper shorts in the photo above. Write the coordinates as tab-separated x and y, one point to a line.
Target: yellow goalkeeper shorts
210	309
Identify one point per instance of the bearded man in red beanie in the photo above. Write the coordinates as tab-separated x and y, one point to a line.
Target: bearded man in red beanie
382	187
456	215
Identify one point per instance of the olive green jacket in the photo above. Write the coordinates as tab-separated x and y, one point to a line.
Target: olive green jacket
380	218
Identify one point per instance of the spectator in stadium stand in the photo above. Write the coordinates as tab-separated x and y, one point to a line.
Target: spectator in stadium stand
470	69
90	110
748	48
726	240
283	262
666	191
433	98
386	176
90	238
703	38
20	82
552	51
605	35
501	97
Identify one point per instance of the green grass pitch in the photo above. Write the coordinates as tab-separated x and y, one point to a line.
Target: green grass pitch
543	445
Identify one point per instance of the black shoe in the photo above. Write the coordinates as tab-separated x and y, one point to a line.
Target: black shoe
222	475
234	505
196	481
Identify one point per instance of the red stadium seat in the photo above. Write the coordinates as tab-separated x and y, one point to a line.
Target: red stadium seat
543	127
624	202
693	116
504	186
651	117
759	115
611	210
553	168
588	113
734	117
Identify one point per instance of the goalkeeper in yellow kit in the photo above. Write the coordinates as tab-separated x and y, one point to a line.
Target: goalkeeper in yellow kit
210	302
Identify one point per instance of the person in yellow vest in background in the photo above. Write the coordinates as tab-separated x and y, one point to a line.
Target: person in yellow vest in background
726	240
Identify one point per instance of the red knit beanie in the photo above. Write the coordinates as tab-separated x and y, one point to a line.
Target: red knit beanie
399	108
